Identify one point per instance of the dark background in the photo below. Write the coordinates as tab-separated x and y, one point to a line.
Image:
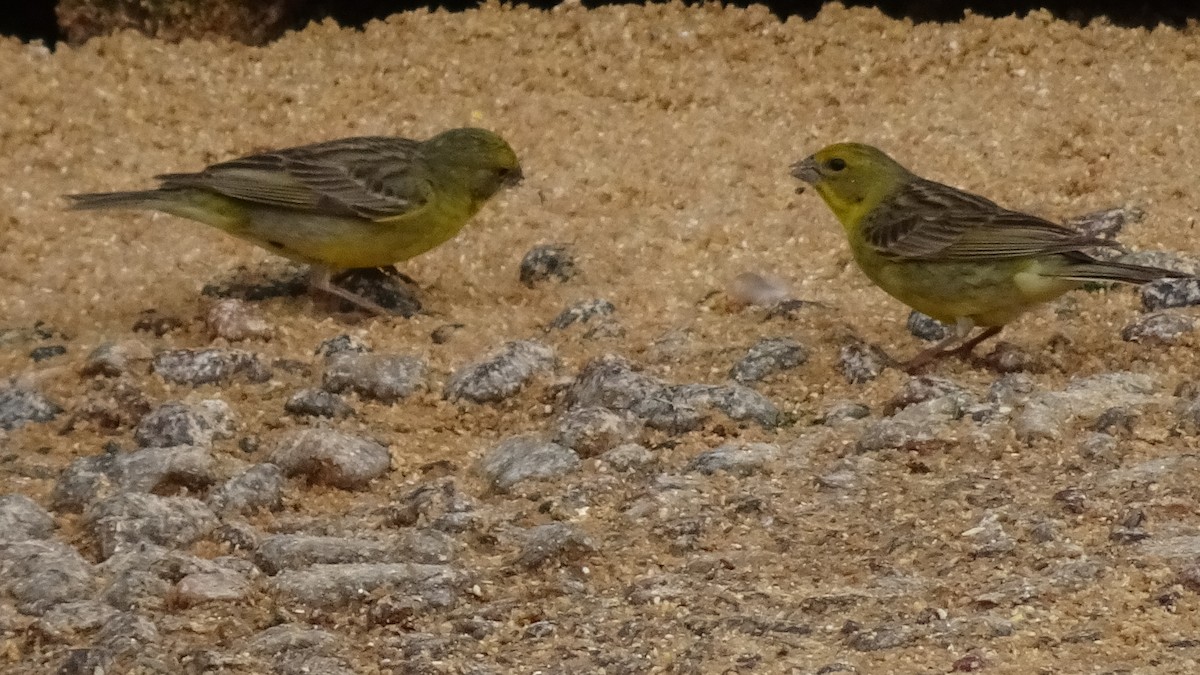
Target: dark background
35	19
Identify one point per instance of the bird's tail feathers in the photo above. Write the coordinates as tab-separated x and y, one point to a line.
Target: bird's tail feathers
1102	270
140	199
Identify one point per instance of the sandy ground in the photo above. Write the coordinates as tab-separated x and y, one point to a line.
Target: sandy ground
656	143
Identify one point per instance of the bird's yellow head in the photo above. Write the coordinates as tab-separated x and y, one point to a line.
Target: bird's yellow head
481	158
852	178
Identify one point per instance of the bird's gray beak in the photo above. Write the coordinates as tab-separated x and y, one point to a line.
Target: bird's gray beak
514	177
806	170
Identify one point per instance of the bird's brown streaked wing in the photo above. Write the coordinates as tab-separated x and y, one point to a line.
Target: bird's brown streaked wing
931	221
370	177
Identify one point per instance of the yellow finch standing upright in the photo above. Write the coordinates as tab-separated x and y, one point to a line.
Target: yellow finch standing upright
955	256
349	203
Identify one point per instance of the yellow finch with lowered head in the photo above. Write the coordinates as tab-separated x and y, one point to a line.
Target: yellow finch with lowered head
349	203
955	256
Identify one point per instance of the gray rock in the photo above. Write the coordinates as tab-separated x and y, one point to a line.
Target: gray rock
769	356
1170	293
306	664
1107	223
439	504
583	312
290	637
235	321
178	423
628	457
523	458
138	590
207	366
1185	547
861	362
257	488
88	661
331	457
1162	328
840	412
917	427
547	262
90	478
63	623
127	632
205	587
1099	447
926	327
130	519
883	636
19	406
610	382
297	551
1185	264
22	518
739	459
331	586
384	377
1088	398
39	574
341	344
317	403
114	359
554	541
592	431
501	374
924	388
990	537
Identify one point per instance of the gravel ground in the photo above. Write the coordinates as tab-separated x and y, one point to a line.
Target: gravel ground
644	420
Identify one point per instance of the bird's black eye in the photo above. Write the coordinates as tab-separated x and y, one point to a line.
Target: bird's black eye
835	164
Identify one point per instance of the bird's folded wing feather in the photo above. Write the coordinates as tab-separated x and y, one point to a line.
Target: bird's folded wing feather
931	221
376	178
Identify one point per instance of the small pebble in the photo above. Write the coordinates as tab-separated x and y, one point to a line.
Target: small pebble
386	378
259	487
1160	328
22	518
112	359
547	262
583	312
769	356
317	403
1170	293
861	362
178	423
501	374
590	431
444	333
331	458
388	290
19	406
208	366
1107	223
38	354
739	459
89	479
926	327
340	344
328	587
235	321
132	519
554	541
39	574
205	587
523	458
628	457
